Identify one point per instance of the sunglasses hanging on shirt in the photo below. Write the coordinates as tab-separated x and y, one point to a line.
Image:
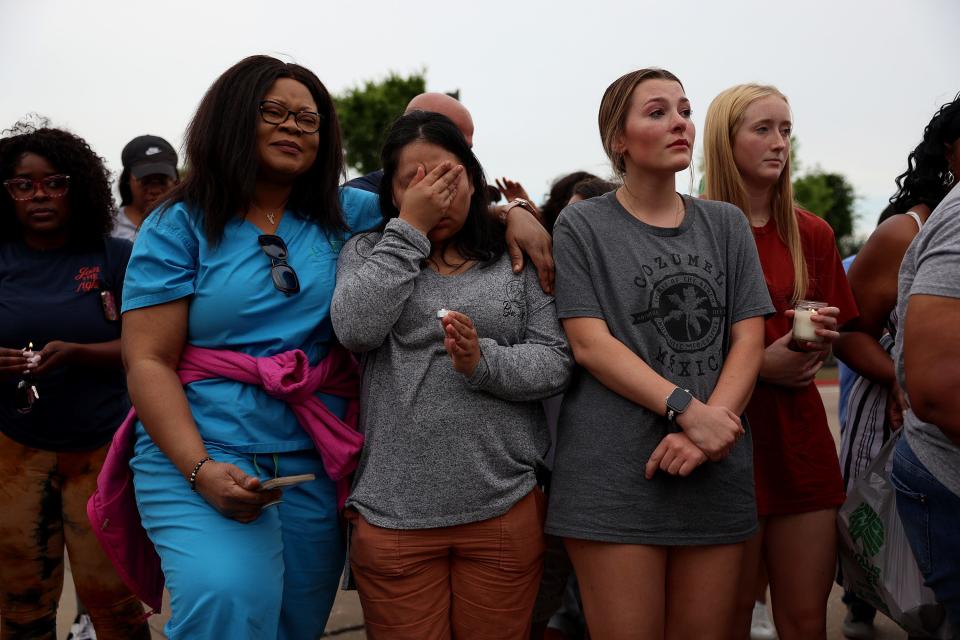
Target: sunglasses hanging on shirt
284	277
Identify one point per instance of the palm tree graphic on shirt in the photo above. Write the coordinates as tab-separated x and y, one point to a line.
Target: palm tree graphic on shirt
689	311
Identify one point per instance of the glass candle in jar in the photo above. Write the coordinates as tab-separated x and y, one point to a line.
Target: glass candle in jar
804	328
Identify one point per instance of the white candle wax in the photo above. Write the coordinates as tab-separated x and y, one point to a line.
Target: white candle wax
803	327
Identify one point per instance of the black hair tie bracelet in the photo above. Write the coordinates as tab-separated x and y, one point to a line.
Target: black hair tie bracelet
196	470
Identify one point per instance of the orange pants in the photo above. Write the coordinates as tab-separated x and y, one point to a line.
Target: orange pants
476	580
43	506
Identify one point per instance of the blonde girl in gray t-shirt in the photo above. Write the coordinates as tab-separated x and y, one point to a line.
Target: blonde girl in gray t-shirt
662	299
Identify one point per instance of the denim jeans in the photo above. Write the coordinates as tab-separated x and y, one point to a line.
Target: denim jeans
931	518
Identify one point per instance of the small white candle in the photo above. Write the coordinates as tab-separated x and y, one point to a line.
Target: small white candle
803	326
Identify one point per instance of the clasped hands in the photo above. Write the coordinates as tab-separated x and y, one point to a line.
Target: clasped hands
709	432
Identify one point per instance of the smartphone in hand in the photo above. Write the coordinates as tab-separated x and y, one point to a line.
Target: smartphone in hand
284	481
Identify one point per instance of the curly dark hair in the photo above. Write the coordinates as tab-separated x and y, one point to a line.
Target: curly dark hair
222	149
478	238
560	192
927	178
91	200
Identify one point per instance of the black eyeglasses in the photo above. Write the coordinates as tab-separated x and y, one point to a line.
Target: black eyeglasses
26	188
275	113
284	277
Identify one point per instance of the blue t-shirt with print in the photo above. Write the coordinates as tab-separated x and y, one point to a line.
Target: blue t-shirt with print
235	306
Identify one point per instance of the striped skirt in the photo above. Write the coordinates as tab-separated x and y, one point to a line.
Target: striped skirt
866	428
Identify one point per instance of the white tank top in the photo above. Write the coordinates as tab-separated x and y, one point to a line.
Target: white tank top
916	218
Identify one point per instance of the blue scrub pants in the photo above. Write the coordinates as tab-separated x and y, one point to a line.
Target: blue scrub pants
275	578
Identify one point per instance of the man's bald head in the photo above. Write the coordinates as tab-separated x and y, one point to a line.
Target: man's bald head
445	105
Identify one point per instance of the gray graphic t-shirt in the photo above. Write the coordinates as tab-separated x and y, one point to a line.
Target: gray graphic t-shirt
931	266
671	296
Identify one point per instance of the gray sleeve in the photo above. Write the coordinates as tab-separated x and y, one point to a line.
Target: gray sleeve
751	297
536	368
575	293
938	253
375	276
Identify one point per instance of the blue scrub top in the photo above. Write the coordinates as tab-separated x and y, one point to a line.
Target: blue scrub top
234	305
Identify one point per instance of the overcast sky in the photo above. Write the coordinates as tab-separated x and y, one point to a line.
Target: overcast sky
863	77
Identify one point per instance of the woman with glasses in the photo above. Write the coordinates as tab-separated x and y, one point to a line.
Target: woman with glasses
240	263
62	392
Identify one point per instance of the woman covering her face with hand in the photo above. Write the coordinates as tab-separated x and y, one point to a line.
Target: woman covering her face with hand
798	484
662	299
62	392
458	350
240	264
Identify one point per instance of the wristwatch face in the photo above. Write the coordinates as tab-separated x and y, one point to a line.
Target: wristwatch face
679	400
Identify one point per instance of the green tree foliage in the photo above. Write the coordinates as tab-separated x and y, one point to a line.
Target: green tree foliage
366	112
830	196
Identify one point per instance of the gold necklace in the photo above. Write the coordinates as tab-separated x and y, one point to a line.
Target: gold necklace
634	199
271	216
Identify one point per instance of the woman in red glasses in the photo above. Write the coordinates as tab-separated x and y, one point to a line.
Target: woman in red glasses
62	390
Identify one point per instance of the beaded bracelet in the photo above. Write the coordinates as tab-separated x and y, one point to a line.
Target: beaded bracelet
196	469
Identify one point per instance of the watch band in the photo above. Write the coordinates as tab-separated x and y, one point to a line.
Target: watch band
516	202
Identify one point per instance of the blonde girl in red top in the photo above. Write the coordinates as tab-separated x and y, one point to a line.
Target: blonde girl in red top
796	471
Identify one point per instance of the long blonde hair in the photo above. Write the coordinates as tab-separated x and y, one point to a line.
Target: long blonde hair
724	182
616	104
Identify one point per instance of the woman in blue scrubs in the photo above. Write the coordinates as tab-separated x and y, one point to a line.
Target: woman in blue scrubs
242	257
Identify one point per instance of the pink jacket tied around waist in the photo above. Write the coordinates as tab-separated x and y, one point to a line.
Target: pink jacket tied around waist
287	376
